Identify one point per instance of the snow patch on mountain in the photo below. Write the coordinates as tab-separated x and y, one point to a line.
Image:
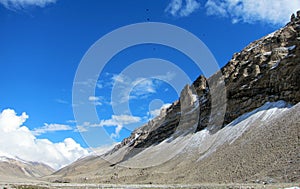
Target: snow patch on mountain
203	142
206	143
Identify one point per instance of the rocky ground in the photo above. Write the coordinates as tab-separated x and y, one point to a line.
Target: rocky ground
35	185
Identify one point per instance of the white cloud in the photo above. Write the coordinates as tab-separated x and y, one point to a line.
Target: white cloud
96	100
93	98
118	78
51	128
81	128
71	121
137	88
250	11
276	12
216	8
182	8
116	134
19	4
125	88
10	122
119	121
84	127
154	113
18	141
191	6
132	88
174	7
143	86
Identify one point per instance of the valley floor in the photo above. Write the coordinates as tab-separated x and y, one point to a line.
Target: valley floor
45	185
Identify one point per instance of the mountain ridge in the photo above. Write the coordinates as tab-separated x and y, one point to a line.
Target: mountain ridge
265	71
246	87
17	168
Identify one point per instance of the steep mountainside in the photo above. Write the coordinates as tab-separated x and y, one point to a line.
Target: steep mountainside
188	143
266	70
15	168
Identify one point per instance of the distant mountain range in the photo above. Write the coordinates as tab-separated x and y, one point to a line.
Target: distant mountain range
11	168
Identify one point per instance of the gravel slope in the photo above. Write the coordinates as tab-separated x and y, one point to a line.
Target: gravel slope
262	148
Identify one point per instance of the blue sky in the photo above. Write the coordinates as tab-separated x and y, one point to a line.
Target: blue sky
43	42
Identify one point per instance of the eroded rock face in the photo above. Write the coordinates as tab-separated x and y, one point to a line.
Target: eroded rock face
165	125
266	70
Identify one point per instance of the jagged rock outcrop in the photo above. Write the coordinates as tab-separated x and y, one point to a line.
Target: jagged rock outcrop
173	121
266	70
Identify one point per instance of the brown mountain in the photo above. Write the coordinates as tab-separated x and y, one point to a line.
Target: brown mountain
13	169
257	141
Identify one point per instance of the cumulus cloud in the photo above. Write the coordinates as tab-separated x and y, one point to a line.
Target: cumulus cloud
10	122
20	4
17	140
51	128
182	8
250	11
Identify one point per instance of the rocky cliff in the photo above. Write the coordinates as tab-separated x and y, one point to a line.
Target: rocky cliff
267	70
